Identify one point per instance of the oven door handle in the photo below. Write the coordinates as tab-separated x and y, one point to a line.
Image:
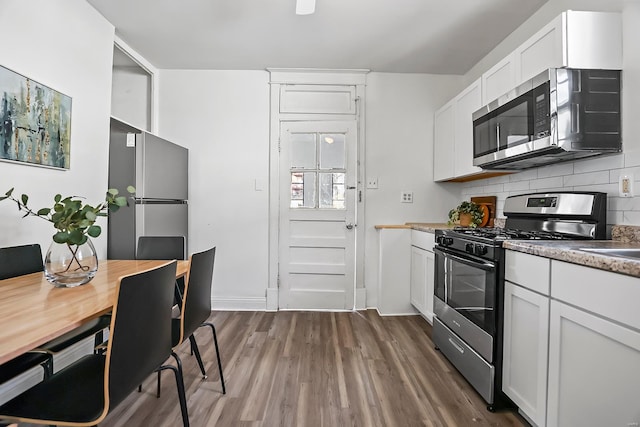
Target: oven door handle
481	264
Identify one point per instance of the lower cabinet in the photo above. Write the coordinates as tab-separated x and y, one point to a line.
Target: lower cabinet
594	370
526	333
571	347
422	272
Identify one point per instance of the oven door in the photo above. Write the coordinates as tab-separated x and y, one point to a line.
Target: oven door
465	291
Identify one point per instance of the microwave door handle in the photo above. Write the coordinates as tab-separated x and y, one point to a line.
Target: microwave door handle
498	136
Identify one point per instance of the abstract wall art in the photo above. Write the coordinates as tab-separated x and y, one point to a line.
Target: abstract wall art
35	120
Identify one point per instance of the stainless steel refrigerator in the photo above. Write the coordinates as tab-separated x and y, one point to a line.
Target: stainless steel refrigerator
159	171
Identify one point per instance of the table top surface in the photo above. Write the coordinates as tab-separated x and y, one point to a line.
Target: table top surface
33	311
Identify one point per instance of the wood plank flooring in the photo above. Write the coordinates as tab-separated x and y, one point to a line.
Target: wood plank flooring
315	369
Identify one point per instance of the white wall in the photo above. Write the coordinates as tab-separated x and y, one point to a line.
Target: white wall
399	152
597	174
43	43
223	118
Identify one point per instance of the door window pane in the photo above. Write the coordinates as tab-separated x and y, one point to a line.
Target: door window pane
303	151
332	151
303	189
332	190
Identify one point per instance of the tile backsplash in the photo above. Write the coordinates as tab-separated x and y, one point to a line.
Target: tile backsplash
600	173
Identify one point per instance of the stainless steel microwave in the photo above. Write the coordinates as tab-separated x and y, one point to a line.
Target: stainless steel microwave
561	114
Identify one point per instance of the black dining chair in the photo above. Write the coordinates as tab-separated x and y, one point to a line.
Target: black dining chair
83	393
17	261
196	308
163	248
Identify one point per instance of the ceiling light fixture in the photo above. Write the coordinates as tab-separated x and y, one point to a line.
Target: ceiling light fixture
305	7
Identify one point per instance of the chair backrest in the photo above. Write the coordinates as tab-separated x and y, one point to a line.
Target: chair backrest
160	247
140	338
19	260
196	304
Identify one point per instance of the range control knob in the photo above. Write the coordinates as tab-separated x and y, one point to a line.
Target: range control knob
480	250
469	248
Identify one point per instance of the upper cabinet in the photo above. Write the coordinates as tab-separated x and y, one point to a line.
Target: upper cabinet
500	79
443	155
574	39
465	104
453	135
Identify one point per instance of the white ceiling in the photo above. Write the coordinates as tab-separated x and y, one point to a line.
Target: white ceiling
409	36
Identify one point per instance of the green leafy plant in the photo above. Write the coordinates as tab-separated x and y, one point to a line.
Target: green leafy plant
470	208
74	219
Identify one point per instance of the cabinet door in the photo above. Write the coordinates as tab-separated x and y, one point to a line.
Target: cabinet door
498	80
543	50
524	369
418	278
429	286
422	269
466	104
593	370
443	143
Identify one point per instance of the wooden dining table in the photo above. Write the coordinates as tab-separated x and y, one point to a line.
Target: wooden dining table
33	311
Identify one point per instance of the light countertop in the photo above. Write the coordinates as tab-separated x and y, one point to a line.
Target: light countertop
570	251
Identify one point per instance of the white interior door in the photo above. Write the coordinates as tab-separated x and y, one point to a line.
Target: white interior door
317	215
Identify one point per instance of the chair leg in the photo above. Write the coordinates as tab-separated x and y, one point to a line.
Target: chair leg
158	386
215	342
196	351
181	392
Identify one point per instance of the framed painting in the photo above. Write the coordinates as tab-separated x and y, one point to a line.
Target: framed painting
35	120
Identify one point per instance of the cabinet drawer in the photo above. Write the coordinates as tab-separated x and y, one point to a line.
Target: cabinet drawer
475	369
423	239
528	271
602	292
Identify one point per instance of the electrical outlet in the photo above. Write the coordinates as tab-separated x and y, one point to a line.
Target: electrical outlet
625	188
372	183
406	197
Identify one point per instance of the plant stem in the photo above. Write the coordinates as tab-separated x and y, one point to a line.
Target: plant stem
75	258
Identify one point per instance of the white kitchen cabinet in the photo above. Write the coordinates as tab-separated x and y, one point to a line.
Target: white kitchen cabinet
594	370
453	135
499	79
443	143
524	365
575	39
594	347
465	104
526	333
422	272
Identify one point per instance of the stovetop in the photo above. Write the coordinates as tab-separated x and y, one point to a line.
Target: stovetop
501	234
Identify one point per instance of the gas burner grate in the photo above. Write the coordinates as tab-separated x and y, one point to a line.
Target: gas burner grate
507	233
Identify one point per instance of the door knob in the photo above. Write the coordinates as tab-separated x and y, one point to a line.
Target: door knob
350	226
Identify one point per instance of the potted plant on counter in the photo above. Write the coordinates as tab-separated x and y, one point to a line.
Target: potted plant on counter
71	259
466	214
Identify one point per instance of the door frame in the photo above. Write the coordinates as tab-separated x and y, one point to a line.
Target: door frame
279	78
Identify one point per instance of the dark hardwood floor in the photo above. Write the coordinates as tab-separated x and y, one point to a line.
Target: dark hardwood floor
315	369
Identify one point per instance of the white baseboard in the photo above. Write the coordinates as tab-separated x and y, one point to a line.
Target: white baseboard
239	304
361	298
272	299
413	313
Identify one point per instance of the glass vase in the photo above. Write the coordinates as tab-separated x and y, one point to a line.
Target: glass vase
67	266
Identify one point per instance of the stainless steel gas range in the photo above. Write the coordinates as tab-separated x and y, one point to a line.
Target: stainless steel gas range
469	278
